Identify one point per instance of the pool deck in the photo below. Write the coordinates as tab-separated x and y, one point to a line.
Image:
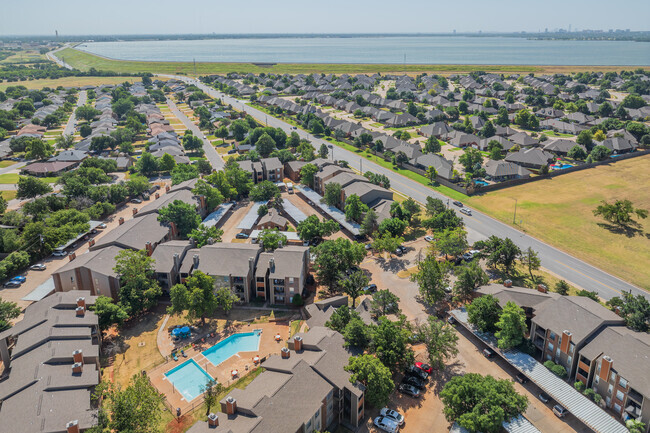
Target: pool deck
243	361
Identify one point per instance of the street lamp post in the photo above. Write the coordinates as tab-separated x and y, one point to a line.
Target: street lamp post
514	216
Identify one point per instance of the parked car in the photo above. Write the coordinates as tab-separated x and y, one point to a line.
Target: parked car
38	267
386	424
458	203
544	397
409	390
448	289
19	279
231	151
559	411
370	288
429	238
368	247
59	253
241	236
488	353
136	200
424	367
11	284
451	320
414	381
398	252
521	378
466	211
414	371
392	414
102	226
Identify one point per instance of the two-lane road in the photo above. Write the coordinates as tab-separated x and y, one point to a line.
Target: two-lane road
479	225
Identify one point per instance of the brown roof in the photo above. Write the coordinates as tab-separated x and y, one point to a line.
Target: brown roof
49	167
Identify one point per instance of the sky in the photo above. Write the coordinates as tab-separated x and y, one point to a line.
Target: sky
92	17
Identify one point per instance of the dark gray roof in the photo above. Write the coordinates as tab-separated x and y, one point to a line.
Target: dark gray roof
135	233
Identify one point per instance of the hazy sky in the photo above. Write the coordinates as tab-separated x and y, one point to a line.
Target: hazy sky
84	17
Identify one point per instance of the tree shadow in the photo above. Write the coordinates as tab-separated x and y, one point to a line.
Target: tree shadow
441	377
392	264
630	230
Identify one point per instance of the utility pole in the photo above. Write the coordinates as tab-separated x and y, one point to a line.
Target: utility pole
194	60
514	216
361	165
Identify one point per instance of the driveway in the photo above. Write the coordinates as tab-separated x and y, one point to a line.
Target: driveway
72	121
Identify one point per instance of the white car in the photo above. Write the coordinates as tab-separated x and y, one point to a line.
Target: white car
386	424
429	238
59	253
392	414
466	211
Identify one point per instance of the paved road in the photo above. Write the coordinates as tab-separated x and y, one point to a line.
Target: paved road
479	225
53	57
210	152
72	121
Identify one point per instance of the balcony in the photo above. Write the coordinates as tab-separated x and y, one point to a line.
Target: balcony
238	280
633	409
279	290
541	332
635	395
539	343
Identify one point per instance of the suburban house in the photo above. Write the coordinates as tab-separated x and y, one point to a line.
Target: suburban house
367	192
167	258
92	271
533	157
70	156
281	274
503	170
561	146
45	169
141	233
305	389
618	145
184	195
273	220
444	168
231	265
51	363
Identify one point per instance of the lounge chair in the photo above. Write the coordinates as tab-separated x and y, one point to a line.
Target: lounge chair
174	356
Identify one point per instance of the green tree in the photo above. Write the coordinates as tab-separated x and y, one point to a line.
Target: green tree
511	325
432	145
238	178
306	150
333	258
166	162
147	165
440	341
332	195
636	312
384	302
633	101
562	287
484	313
8	311
451	242
272	239
386	242
183	172
354	208
501	254
211	392
585	138
434	206
86	112
264	191
447	219
635	425
203	235
265	145
136	408
196	296
530	259
620	213
64	141
432	280
213	196
340	318
312	227
600	153
137	185
394	226
239	128
369	223
30	187
481	403
469	278
353	285
226	299
374	376
357	333
307	173
390	345
108	312
182	214
140	289
219	180
577	152
471	159
38	149
323	151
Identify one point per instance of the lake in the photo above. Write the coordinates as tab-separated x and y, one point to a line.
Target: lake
388	49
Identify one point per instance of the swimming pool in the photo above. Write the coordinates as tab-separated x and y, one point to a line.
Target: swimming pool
481	182
561	166
188	379
242	342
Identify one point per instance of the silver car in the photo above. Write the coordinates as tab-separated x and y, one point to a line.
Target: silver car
386	424
392	414
466	211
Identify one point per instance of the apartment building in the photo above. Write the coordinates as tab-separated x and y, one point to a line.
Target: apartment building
281	274
303	390
167	258
265	169
51	366
92	271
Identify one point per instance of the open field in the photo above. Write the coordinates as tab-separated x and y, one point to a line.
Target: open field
559	211
84	61
68	82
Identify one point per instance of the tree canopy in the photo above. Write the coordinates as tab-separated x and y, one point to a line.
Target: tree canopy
183	215
511	326
484	313
374	375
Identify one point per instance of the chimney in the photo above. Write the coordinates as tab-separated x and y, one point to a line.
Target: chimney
148	248
272	264
72	427
542	288
251	264
72	256
78	356
120	221
167	188
195	259
81	302
80	311
202	201
605	367
157	195
297	343
213	420
210	241
284	352
91	243
174	231
507	283
177	262
77	368
231	406
566	339
135	211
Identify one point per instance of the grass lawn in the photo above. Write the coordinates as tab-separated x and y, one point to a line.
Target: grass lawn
556	134
8	195
69	82
9	178
84	61
559	212
6	163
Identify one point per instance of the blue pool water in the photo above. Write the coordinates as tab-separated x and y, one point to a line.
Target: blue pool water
188	379
561	166
481	182
243	342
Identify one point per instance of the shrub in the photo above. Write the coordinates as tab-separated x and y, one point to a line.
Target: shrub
297	300
597	398
589	393
579	386
549	364
559	371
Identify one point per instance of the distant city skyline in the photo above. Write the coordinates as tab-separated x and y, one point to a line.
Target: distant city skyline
121	17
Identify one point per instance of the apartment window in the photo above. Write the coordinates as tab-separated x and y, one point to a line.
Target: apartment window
552	336
548	357
622	382
608	400
291	279
330	395
617	407
571	348
557	353
291	290
596	379
613	376
610	388
317	413
570	361
619	395
550	347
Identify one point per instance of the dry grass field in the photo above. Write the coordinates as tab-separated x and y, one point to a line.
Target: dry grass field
68	82
559	212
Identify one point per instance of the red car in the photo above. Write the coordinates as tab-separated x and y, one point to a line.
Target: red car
424	367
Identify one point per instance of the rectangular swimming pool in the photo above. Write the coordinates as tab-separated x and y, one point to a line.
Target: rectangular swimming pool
242	342
188	379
